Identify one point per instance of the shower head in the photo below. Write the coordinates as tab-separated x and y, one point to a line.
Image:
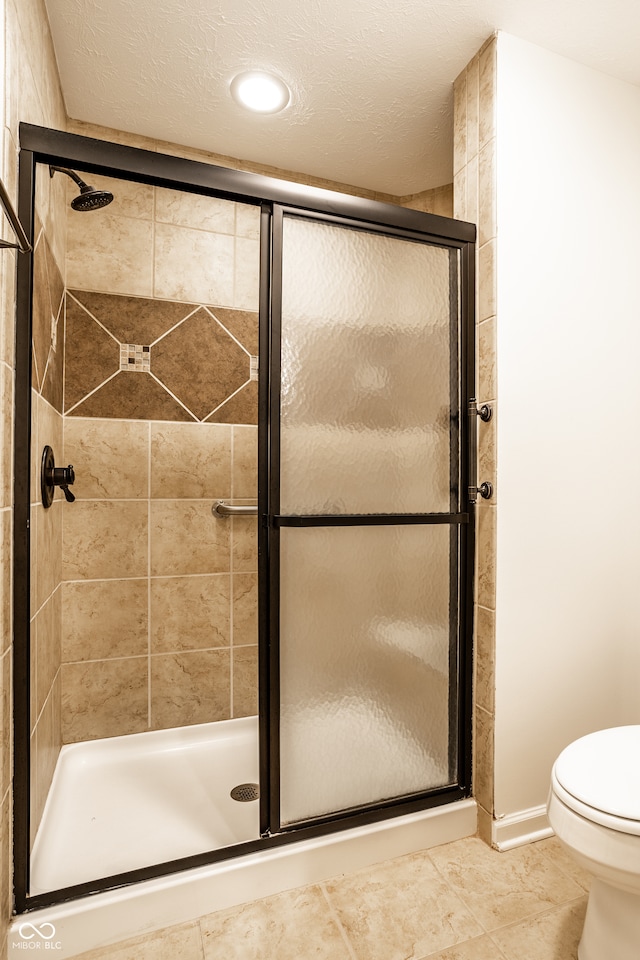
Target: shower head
90	198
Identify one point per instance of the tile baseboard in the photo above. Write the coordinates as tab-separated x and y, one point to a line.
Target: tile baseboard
519	828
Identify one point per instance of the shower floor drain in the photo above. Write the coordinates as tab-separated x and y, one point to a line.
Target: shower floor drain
245	792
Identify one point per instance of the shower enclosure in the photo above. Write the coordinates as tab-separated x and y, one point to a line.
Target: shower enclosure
252	625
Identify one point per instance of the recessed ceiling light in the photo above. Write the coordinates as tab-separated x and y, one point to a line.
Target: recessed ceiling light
260	91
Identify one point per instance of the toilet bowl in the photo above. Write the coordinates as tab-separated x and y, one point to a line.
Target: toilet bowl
594	809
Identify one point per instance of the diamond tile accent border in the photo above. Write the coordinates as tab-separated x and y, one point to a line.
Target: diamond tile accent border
204	369
135	358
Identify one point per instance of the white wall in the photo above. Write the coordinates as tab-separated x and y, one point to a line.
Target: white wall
568	306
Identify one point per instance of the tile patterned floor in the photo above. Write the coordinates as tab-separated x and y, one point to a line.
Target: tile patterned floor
461	901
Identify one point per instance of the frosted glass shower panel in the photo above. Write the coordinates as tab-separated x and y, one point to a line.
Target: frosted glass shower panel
368	411
365	659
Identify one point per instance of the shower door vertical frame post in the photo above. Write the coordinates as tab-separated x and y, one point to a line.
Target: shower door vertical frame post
457	392
275	368
468	530
22	542
267	610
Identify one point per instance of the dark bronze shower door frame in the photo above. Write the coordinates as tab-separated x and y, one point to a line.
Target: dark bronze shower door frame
275	197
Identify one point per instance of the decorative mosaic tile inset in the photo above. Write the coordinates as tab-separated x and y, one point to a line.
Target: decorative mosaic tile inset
134	358
201	361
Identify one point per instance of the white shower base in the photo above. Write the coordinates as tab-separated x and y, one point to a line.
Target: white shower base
119	804
129	802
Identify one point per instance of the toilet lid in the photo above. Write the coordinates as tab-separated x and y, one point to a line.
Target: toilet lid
602	770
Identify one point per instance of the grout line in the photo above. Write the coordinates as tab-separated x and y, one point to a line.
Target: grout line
201	936
143	656
230	397
46	601
125	420
481	247
541	912
538	915
196	308
7	793
234	273
128	296
88	312
36	392
500	955
228	332
86	397
456	892
209	231
336	919
236	257
179	576
177	399
141	499
47	698
73	663
144	498
550	858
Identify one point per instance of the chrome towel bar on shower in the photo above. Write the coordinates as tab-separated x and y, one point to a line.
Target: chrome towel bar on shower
223	509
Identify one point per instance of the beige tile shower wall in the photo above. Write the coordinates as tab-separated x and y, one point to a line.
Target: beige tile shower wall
31	93
46	617
160	597
154	242
438	201
46	524
474	200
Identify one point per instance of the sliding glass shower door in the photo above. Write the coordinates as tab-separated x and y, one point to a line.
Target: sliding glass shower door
365	516
365	527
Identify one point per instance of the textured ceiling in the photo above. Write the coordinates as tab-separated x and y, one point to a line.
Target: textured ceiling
371	79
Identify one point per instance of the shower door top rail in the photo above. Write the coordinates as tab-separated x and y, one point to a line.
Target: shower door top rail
146	166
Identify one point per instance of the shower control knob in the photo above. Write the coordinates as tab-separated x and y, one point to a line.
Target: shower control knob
63	477
52	477
67	477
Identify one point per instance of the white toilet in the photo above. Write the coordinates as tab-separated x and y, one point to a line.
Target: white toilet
594	808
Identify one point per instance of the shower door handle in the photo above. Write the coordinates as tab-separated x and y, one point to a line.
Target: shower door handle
484	489
223	509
